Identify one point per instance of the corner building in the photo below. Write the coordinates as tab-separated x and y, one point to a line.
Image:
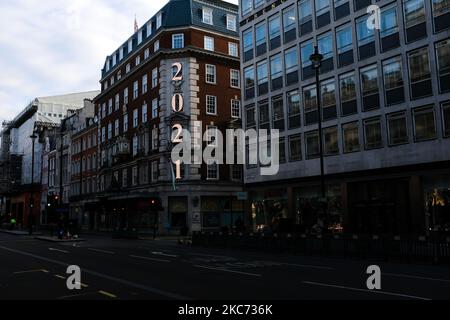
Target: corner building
136	118
385	108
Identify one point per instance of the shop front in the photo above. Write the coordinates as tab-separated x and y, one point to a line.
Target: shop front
221	213
437	204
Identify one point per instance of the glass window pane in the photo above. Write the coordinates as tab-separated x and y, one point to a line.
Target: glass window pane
363	33
312	145
392	71
348	87
291	60
425	125
293	101
305	10
307	50
414	12
330	137
419	66
289	19
274	27
328	94
443	57
260	33
398	132
389	23
325	44
446	115
351	137
344	39
310	98
369	80
295	148
276	67
373	135
263	73
248	40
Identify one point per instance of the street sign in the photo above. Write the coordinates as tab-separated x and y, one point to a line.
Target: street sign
242	196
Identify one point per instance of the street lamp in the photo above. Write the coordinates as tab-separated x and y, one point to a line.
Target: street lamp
30	218
316	59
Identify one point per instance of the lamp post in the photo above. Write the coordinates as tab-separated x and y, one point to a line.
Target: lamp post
30	217
316	59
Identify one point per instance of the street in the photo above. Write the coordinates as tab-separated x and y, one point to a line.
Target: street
164	270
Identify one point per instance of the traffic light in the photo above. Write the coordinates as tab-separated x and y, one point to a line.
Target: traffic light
155	204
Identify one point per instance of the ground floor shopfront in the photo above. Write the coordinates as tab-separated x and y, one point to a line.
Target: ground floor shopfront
19	207
188	208
399	202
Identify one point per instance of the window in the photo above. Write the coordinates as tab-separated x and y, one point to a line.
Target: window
125	178
144	84
135	176
351	137
344	39
121	54
446	118
312	145
328	92
211	105
310	104
263	77
138	60
155	78
293	107
135	90
117	102
155	108
443	63
116	127
278	113
178	41
282	149
149	29
331	141
307	50
207	16
398	132
213	171
156	46
364	34
289	24
393	81
250	113
209	43
135	118
112	80
125	123
264	115
159	20
139	37
231	22
235	78
155	171
147	53
274	32
414	12
389	23
248	43
419	73
261	35
235	108
247	6
110	106
119	75
424	123
210	74
322	6
372	134
369	86
135	145
295	148
155	138
348	90
236	173
249	74
441	10
211	135
233	49
125	96
144	173
144	113
110	133
305	11
276	72
128	68
291	65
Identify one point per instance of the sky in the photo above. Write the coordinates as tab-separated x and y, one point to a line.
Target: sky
50	47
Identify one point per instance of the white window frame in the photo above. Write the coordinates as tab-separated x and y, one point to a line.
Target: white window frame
177	37
156	46
207	74
135	118
155	107
217	175
214	98
209	40
144	84
207	16
236	103
231	22
233	49
234	71
159	20
154	77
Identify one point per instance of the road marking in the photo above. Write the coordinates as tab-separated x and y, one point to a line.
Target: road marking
164	255
307	266
83	285
31	271
58	250
150	259
163	293
77	295
60	277
365	290
229	271
414	277
101	251
107	294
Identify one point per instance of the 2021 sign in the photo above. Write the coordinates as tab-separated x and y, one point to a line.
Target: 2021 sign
177	107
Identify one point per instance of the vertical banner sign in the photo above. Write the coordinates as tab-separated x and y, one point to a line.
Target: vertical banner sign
177	107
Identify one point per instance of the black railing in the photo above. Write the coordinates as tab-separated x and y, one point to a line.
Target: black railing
407	249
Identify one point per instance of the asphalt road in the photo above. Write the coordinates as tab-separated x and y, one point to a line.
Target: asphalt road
163	270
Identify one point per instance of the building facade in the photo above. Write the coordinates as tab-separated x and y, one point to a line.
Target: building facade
181	67
385	93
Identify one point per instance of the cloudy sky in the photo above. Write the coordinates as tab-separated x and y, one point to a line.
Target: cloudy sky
50	47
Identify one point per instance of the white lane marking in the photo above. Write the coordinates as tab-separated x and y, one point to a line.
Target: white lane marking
164	254
307	266
101	251
414	277
77	295
60	277
150	259
58	250
31	271
153	290
367	291
107	294
229	271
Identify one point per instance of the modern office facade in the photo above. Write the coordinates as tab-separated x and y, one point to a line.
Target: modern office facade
180	67
385	96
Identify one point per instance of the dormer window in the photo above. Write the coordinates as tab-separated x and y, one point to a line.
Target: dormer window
130	45
121	54
107	65
208	16
139	37
231	22
158	21
149	29
114	60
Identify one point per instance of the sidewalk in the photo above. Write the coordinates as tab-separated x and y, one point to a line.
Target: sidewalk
19	233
